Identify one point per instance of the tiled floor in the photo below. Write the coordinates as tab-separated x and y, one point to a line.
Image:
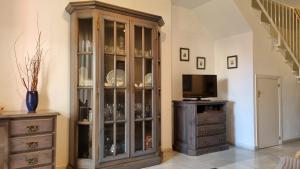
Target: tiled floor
234	158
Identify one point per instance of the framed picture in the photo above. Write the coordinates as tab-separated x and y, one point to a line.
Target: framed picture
184	54
201	62
232	62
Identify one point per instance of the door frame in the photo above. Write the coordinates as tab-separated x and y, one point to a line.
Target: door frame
273	77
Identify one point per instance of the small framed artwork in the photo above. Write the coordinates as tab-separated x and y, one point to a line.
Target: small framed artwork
184	54
232	62
201	62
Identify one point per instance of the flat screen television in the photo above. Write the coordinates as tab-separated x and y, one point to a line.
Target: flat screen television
199	86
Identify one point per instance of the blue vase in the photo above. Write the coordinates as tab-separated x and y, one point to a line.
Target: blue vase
32	100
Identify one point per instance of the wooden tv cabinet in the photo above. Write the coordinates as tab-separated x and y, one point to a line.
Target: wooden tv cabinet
199	127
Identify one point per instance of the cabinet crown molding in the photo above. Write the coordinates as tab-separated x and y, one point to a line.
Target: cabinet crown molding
82	5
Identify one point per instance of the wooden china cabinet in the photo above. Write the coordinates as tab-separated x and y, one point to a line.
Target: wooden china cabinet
115	87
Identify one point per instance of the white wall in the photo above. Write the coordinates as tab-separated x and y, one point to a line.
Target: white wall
236	85
19	16
188	33
269	62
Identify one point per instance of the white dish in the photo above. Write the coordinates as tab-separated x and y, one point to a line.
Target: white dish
120	77
148	79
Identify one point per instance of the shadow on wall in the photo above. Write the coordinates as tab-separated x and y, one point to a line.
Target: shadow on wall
223	94
230	122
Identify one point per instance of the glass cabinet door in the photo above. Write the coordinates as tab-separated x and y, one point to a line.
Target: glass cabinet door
115	92
143	91
85	88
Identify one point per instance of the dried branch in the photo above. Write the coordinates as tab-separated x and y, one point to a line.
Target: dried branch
29	73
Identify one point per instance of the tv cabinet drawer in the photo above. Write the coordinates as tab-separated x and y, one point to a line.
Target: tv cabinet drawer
211	141
31	126
211	130
211	118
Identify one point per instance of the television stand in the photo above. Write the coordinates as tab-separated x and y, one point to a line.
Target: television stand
196	99
199	126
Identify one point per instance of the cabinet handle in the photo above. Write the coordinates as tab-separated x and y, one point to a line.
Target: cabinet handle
32	145
32	161
32	129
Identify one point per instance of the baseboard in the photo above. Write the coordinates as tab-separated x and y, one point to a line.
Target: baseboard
243	146
290	140
166	150
61	167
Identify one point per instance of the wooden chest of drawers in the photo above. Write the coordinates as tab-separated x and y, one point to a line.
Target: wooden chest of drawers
28	140
199	126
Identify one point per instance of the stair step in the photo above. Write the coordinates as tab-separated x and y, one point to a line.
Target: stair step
295	69
273	32
264	18
255	5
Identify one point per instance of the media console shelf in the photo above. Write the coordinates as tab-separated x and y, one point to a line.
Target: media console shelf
199	127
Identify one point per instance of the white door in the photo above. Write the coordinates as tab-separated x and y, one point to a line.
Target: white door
267	111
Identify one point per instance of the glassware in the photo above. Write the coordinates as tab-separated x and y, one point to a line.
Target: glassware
138	110
108	112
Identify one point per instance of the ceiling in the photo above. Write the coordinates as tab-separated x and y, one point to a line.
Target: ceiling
190	4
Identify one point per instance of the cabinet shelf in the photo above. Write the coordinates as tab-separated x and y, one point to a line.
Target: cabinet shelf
84	87
115	87
83	123
144	119
85	53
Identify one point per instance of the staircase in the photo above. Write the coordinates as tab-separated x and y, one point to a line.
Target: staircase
284	24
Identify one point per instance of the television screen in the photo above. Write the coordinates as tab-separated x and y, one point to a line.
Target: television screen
199	86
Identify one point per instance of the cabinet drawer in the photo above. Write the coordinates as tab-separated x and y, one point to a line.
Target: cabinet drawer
30	159
211	130
211	140
31	126
210	118
45	167
30	143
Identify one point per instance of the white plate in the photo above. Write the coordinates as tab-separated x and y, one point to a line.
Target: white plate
148	79
120	77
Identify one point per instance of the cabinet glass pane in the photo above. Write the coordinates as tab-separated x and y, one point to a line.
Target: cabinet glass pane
148	103
138	36
120	39
85	88
108	36
85	71
138	104
120	111
109	72
148	72
138	71
85	36
138	136
120	73
108	105
148	135
148	42
109	147
120	147
85	105
84	141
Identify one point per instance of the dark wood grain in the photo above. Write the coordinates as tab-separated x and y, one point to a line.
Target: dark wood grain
199	126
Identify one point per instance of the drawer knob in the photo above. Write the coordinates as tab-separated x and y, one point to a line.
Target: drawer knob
32	129
32	161
32	145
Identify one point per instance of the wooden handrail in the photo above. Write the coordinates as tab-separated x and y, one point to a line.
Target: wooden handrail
286	22
298	12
